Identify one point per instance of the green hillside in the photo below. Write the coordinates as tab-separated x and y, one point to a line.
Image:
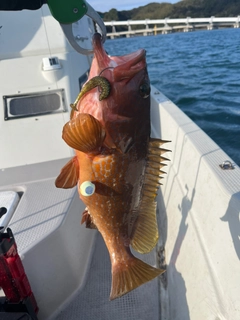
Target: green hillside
182	9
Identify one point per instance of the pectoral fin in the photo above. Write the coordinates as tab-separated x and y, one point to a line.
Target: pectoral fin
84	133
69	175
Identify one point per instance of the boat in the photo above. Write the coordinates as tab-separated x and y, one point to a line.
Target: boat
67	265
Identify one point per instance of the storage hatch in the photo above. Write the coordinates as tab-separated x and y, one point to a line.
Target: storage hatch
34	104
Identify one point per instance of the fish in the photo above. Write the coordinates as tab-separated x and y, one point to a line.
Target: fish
118	166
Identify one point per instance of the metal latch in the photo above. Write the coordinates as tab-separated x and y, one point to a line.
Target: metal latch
227	165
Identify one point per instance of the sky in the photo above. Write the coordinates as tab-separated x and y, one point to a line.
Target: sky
106	5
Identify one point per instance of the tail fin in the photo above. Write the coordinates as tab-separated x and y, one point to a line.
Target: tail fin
127	277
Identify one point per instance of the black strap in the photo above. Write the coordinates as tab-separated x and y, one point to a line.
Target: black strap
15	5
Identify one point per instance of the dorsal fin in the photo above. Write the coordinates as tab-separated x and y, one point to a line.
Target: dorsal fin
145	236
69	175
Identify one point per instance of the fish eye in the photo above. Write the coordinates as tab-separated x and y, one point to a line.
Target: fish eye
87	188
145	89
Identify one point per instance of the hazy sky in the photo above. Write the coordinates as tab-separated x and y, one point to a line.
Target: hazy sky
106	5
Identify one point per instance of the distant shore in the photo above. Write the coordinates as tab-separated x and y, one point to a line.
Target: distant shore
148	27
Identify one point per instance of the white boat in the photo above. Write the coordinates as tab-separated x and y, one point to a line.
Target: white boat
68	265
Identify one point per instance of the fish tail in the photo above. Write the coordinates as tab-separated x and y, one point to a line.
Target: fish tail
130	275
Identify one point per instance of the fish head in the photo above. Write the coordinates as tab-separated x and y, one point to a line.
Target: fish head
125	113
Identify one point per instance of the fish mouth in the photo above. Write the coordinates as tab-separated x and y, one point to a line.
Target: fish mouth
123	67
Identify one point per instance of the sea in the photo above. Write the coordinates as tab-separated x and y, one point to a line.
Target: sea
200	72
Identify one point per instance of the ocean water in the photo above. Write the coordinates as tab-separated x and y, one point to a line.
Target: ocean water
200	72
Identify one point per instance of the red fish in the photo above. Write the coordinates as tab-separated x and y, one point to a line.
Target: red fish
117	166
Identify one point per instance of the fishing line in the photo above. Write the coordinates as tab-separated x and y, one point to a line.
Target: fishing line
45	28
105	69
48	42
50	52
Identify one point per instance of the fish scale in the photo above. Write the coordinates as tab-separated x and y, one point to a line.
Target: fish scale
110	171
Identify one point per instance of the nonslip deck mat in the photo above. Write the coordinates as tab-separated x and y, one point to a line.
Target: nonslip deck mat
92	300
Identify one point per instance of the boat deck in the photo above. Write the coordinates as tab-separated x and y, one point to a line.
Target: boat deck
91	301
68	265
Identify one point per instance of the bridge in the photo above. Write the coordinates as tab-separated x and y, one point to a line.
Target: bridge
167	25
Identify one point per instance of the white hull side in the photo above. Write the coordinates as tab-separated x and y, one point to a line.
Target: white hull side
199	218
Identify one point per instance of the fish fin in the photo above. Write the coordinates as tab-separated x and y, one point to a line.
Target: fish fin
156	142
155	162
127	277
87	219
69	175
145	236
84	133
